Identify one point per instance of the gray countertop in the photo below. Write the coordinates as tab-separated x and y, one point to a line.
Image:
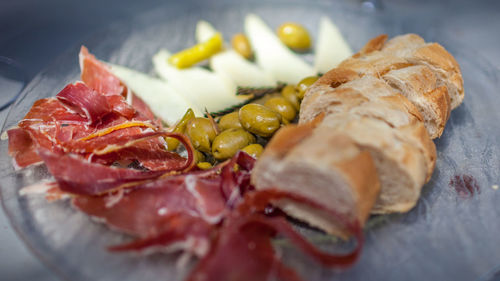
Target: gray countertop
35	32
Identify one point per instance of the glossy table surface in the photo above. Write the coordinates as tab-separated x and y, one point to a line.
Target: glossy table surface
34	33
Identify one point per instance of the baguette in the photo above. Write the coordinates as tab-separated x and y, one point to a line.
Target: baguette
381	109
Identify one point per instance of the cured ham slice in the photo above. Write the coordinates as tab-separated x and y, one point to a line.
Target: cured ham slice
184	209
86	118
243	243
184	232
76	175
82	98
146	210
99	77
22	148
144	207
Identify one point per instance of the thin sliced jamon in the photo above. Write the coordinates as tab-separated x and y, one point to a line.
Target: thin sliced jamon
85	101
152	159
156	211
99	77
22	149
50	110
244	242
62	129
77	175
182	232
146	210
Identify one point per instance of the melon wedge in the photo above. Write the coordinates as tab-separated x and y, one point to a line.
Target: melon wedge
272	55
242	72
331	48
204	31
201	87
164	101
232	65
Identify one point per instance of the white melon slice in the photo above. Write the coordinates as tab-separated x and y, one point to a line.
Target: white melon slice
232	65
164	101
204	31
272	55
331	48
243	72
201	87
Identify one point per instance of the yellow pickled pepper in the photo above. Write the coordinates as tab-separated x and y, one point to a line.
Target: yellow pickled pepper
198	52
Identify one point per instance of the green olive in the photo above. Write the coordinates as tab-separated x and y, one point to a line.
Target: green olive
304	84
294	36
259	119
201	133
229	121
254	149
283	107
290	94
198	156
204	165
241	45
180	127
227	143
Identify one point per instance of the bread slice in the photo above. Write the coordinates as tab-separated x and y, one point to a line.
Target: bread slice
303	161
419	85
423	72
401	166
374	98
414	50
351	95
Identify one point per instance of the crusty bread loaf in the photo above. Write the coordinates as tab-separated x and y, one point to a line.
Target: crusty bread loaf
388	100
299	159
425	73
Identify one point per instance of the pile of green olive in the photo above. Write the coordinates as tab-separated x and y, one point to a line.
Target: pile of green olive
247	128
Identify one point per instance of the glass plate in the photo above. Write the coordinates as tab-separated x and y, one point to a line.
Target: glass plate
452	234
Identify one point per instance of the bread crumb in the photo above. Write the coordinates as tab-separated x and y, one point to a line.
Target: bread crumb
495	186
